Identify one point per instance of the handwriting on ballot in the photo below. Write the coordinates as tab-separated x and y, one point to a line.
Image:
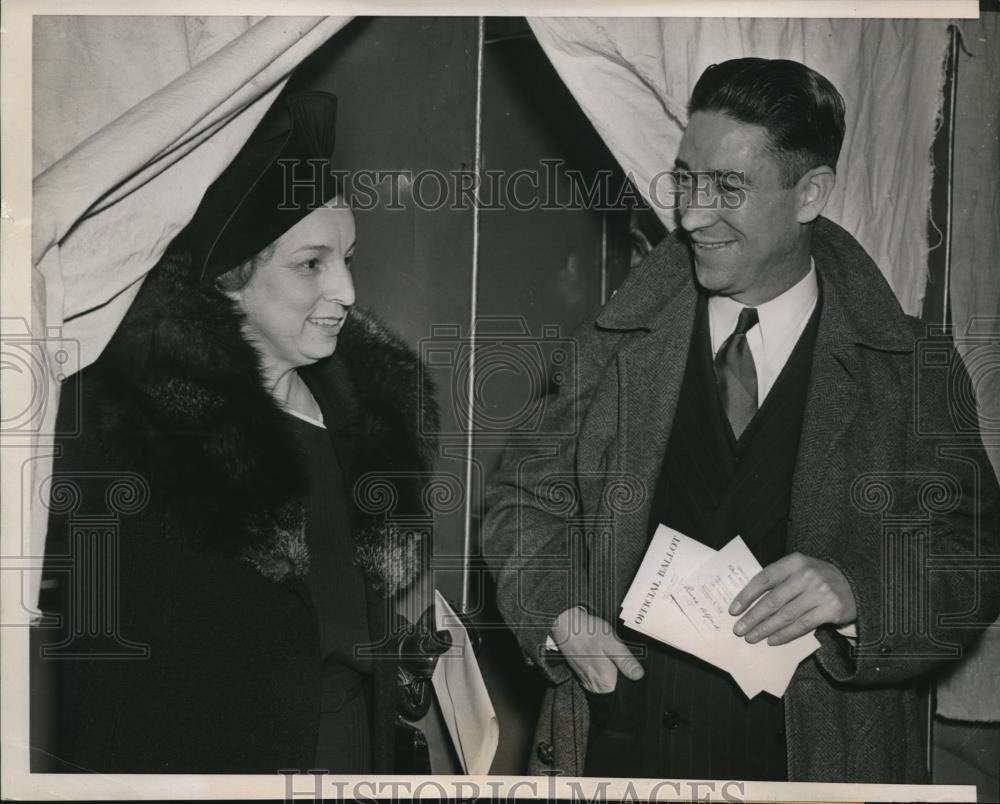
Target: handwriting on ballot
681	595
713	595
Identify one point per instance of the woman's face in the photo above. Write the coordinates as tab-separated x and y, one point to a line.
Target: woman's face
296	301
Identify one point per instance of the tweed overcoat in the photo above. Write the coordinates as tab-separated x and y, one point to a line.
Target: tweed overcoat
890	478
172	443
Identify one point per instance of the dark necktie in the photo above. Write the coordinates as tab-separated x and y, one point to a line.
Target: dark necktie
736	374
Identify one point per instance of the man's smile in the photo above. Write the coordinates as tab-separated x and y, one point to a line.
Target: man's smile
712	245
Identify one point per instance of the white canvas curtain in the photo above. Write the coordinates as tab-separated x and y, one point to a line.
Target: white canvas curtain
633	78
133	117
155	90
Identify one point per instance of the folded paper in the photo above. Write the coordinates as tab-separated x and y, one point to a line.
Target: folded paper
681	596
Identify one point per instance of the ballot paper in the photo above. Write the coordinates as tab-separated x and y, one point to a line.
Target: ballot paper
649	606
681	595
462	696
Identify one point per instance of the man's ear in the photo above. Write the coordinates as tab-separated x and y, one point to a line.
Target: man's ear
814	190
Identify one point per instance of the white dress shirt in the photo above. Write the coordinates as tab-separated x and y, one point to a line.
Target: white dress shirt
780	323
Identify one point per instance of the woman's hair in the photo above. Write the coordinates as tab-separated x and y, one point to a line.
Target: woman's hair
237	278
801	110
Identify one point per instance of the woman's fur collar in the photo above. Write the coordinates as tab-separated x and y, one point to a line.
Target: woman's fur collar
186	391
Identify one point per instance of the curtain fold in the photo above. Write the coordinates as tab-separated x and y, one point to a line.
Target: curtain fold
133	118
633	77
112	203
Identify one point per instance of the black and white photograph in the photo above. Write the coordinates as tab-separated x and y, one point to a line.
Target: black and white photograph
455	404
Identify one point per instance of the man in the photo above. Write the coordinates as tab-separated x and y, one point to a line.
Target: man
754	376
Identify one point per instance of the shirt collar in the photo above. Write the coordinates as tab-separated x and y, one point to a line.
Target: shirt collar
776	317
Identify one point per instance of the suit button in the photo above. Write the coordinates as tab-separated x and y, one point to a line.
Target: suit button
545	753
885	650
670	719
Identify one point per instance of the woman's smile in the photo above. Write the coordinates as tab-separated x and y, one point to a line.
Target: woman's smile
330	324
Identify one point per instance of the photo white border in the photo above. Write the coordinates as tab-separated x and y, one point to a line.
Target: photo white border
15	302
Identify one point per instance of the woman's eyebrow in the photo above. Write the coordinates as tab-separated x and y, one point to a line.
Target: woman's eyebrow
317	247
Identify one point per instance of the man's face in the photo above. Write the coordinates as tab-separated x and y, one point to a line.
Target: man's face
757	250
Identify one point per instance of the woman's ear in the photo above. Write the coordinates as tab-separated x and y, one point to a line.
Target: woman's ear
235	295
233	283
814	190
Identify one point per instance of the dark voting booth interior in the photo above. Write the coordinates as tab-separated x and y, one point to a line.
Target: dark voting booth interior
413	97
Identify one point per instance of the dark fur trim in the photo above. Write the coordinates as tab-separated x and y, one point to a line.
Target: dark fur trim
385	437
282	551
392	555
187	391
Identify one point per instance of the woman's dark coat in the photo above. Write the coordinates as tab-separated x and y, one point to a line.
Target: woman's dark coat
172	448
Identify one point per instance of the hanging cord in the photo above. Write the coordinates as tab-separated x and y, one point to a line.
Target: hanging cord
473	312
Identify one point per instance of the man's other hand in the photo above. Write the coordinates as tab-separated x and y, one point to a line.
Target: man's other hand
800	593
592	651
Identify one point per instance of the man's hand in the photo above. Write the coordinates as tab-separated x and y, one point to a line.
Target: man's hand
592	650
803	593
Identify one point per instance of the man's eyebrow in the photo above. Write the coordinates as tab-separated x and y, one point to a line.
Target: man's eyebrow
734	175
717	173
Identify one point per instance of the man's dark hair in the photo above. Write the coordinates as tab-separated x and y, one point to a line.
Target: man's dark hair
801	110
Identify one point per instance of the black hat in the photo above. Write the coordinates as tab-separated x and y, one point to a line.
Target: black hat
279	176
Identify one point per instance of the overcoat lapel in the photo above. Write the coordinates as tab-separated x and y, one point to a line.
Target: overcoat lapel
652	314
650	370
832	403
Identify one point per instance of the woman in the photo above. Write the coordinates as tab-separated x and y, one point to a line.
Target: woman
248	404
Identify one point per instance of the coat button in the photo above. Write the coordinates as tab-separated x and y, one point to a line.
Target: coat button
885	650
670	719
545	753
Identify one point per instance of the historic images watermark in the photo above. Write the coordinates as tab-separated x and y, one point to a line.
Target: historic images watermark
461	364
317	785
27	363
33	369
550	186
